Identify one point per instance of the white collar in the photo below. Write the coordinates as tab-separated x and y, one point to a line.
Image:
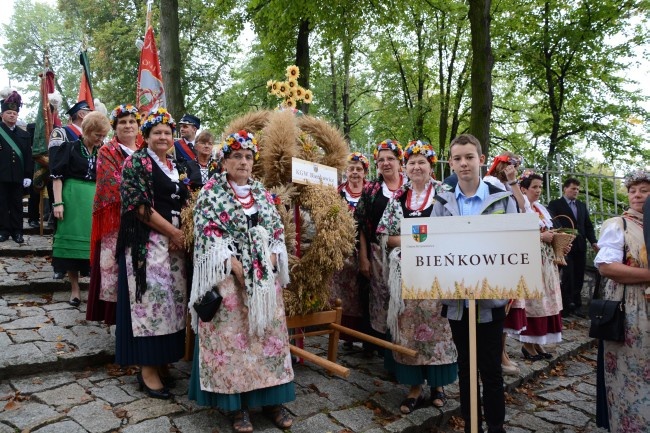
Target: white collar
172	174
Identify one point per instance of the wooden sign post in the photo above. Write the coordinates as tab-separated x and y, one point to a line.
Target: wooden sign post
470	258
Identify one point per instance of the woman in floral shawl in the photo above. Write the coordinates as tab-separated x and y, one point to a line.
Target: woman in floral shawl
623	259
152	292
102	294
242	356
388	157
416	324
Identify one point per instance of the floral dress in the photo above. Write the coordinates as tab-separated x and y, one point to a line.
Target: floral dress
152	292
245	347
416	324
627	365
543	320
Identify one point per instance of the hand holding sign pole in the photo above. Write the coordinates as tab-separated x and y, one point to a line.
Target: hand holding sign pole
471	258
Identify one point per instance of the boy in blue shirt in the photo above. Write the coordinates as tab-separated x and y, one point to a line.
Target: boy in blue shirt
472	196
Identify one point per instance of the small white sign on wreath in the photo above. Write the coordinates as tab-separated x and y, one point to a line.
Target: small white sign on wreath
307	172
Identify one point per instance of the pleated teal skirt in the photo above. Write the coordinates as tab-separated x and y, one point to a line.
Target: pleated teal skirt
270	396
435	375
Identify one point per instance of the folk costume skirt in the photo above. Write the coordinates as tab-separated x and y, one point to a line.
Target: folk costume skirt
71	247
131	350
273	395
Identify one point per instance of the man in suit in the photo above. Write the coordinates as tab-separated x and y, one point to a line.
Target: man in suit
573	274
16	169
184	147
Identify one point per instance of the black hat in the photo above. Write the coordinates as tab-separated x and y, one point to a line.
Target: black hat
81	105
188	119
11	102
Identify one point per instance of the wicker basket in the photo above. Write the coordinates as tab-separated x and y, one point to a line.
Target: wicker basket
560	241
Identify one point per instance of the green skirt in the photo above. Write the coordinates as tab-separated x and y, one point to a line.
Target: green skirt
72	237
270	396
435	375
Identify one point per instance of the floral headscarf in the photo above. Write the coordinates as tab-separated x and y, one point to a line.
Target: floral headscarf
388	144
360	157
637	176
239	140
124	110
156	116
419	147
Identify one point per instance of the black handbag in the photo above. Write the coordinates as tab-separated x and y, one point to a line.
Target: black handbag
208	305
608	317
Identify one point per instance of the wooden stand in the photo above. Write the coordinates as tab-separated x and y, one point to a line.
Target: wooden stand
332	321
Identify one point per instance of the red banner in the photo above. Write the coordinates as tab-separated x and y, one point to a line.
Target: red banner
150	93
85	88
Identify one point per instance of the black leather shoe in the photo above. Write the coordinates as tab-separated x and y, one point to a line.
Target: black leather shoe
579	314
4	238
18	238
162	393
59	275
75	302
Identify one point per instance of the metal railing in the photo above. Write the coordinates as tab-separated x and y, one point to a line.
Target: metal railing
604	195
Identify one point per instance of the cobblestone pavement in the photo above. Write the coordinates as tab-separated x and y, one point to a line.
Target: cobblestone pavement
55	377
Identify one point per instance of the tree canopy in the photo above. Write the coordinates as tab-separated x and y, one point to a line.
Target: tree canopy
403	69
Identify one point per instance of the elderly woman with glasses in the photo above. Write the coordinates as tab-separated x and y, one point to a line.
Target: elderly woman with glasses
201	168
345	283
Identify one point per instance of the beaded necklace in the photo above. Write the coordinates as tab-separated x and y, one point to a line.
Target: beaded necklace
424	203
246	201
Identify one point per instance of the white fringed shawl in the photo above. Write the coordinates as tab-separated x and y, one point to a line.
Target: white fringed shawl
221	231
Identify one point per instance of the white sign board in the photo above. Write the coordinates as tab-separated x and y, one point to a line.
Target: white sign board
472	257
307	172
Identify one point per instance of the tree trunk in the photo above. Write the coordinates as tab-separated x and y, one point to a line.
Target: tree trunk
335	93
347	54
170	57
555	93
418	124
302	57
481	80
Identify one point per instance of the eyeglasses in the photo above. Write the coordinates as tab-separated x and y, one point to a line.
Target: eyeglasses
387	159
204	143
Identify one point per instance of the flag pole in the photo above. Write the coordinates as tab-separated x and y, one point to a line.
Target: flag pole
148	20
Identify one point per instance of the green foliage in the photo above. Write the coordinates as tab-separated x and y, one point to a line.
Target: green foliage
398	69
34	31
562	71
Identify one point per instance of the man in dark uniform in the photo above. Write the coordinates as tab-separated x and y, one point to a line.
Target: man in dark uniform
15	169
184	147
72	131
577	216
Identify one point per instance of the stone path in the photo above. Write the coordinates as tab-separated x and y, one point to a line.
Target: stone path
55	376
